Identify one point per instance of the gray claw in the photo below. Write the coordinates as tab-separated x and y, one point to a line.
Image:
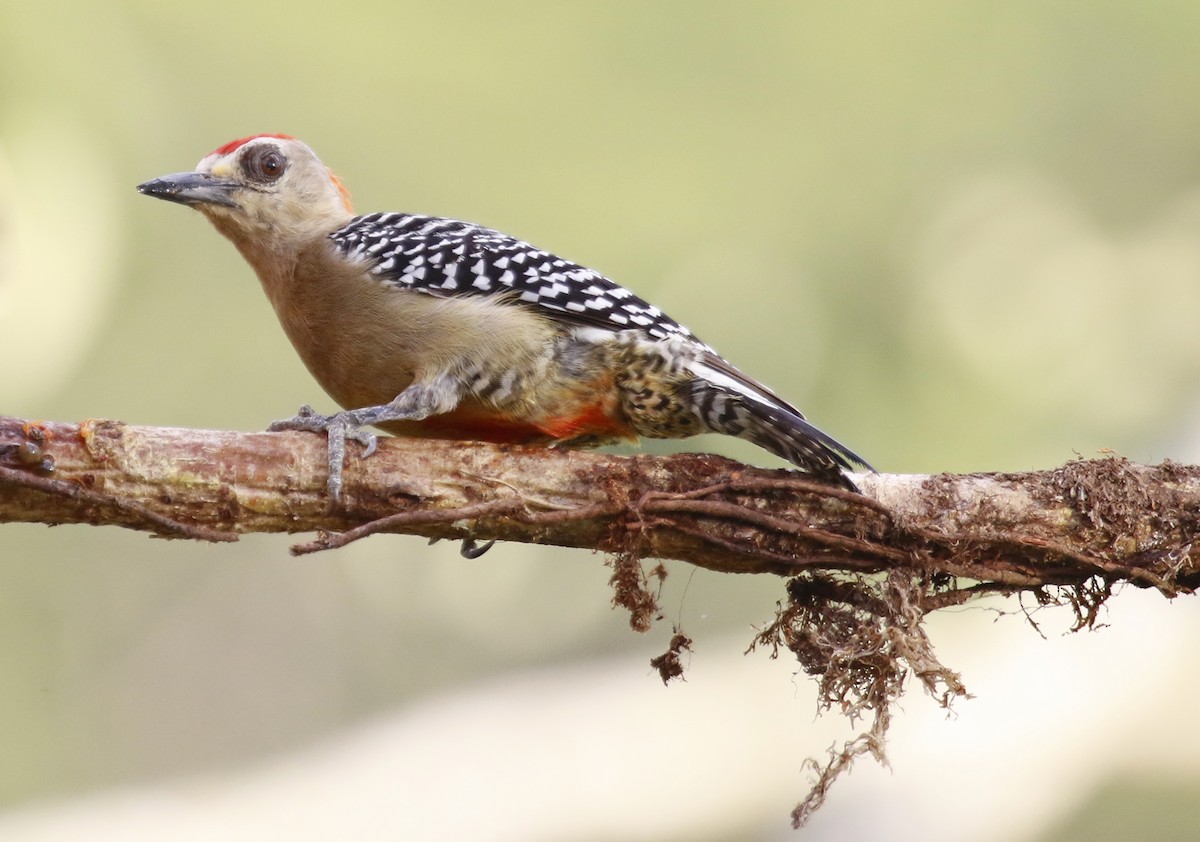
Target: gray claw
472	550
368	440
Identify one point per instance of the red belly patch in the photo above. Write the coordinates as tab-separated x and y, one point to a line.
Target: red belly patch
593	421
475	423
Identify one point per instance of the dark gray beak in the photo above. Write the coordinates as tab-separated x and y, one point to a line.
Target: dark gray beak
192	188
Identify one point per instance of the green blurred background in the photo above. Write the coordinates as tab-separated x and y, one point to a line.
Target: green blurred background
963	236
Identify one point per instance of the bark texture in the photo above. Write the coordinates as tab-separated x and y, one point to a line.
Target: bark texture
862	569
1103	517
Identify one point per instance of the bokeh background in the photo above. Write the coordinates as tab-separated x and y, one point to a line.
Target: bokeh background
964	236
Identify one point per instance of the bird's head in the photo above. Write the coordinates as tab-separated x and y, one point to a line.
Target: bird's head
268	189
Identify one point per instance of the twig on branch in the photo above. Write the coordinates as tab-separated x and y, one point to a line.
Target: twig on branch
863	569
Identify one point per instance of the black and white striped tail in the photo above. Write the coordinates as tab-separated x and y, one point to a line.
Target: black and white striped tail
772	427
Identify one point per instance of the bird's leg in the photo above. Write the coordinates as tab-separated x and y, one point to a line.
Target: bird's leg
418	401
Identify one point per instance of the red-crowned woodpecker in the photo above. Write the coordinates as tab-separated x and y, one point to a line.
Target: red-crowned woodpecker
427	326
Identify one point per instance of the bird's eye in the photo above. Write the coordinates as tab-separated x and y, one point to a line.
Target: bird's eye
264	164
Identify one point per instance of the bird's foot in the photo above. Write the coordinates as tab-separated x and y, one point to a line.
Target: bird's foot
339	427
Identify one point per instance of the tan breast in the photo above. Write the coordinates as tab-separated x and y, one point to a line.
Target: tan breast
366	341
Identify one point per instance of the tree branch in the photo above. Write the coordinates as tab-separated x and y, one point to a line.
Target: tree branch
1101	517
863	569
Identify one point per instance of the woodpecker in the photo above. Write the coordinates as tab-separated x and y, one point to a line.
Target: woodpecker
426	326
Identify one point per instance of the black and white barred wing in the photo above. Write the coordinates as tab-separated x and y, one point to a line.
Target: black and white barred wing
447	257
